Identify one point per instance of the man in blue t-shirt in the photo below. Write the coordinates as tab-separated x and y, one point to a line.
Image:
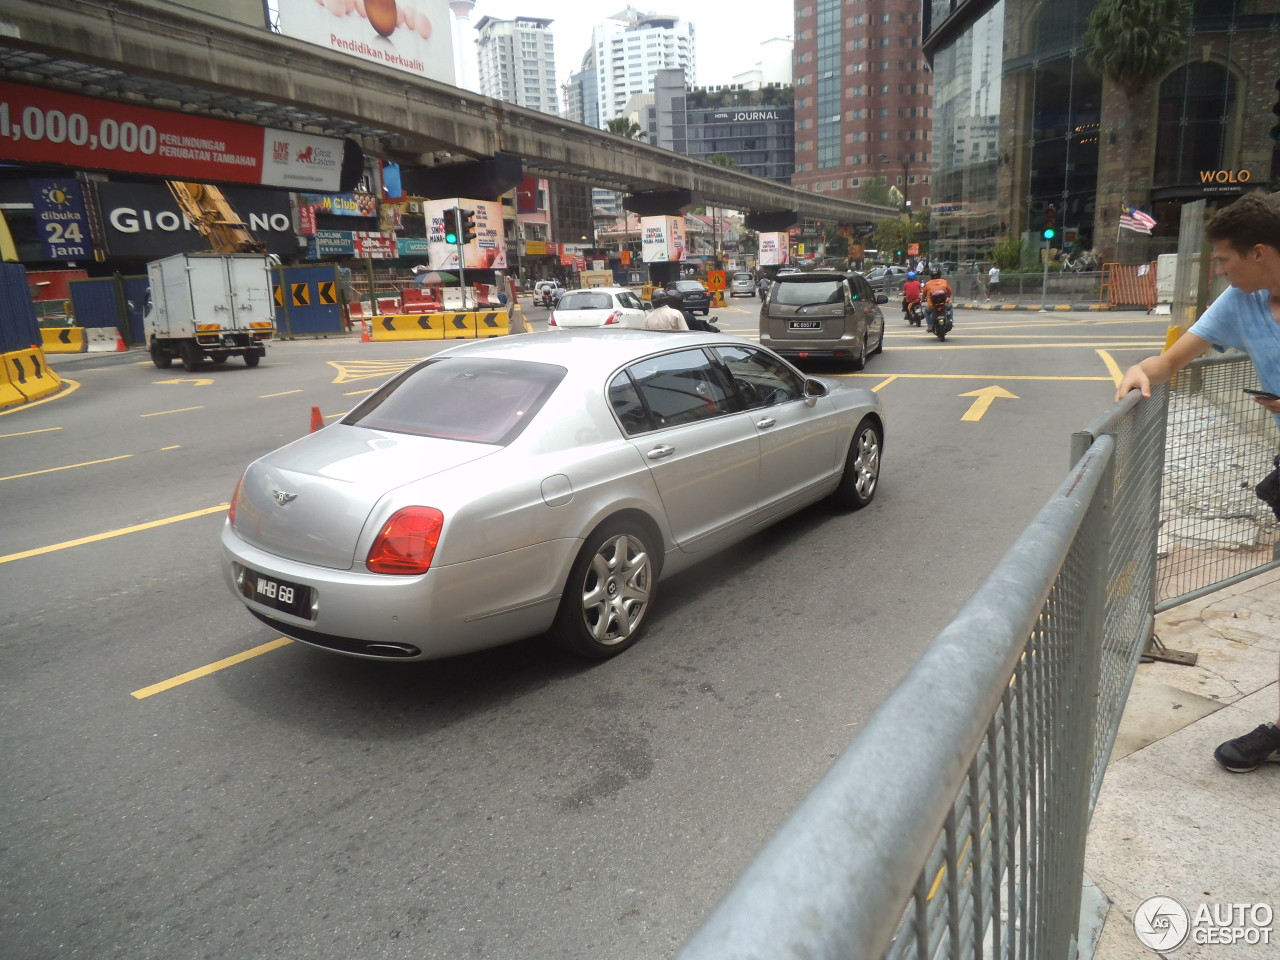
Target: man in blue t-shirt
1246	250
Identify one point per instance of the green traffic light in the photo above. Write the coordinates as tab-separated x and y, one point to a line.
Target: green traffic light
1049	233
450	238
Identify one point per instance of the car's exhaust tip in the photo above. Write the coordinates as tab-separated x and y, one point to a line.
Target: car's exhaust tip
399	650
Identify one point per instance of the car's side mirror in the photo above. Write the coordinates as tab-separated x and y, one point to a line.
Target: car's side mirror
647	304
882	298
814	388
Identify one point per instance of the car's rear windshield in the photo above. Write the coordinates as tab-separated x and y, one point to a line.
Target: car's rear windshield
742	276
586	300
808	291
689	285
461	398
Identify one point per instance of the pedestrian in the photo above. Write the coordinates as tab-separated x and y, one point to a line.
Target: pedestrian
993	282
1246	250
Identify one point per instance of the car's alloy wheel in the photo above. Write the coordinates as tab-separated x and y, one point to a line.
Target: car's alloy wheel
607	598
861	475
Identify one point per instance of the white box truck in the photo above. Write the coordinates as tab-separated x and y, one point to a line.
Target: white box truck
209	305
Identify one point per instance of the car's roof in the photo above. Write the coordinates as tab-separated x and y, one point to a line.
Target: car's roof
813	275
688	281
599	290
591	347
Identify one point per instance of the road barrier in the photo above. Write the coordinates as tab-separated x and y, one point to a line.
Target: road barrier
492	323
64	339
27	375
450	325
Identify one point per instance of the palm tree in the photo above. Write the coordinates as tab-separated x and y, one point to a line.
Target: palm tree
625	127
1132	44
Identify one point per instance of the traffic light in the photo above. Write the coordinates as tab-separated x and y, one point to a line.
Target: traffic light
1050	221
451	225
467	224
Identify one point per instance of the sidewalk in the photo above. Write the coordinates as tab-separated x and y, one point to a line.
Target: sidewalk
1169	820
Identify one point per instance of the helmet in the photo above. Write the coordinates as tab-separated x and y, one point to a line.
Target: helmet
911	274
936	273
661	298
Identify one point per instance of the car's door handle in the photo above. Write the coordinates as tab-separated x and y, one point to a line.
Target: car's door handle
766	422
660	451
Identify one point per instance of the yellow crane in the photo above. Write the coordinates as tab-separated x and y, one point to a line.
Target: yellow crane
212	214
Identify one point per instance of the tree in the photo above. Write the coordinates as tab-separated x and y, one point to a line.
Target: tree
625	127
1132	44
723	160
892	236
875	190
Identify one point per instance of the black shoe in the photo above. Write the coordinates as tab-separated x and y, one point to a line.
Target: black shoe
1247	753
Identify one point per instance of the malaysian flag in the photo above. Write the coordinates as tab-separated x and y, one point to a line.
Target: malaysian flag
1131	218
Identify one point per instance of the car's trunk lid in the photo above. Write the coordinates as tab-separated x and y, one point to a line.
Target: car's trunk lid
309	501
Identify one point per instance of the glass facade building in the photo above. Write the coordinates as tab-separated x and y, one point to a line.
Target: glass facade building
1022	124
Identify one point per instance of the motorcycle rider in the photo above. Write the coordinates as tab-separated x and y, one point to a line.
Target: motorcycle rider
910	294
665	314
547	292
936	284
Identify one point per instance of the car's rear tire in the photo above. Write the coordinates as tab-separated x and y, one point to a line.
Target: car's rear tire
192	356
860	360
610	589
251	358
861	477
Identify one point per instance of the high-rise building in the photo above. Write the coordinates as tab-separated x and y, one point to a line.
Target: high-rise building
863	96
518	62
630	47
581	99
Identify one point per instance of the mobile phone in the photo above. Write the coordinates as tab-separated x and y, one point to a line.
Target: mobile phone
1261	393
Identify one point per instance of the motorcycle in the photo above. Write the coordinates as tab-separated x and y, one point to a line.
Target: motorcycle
939	314
915	313
545	299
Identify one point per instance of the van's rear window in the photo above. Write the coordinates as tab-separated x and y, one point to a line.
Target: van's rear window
813	291
461	398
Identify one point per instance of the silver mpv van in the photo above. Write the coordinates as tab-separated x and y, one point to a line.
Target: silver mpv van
823	314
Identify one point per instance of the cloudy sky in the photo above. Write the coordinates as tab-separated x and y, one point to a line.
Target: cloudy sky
728	31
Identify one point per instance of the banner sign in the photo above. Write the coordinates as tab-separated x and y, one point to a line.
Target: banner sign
377	246
662	239
351	243
342	204
414	37
61	221
412	247
142	220
773	249
47	126
488	251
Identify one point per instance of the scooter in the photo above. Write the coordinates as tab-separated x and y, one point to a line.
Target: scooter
915	313
544	298
940	316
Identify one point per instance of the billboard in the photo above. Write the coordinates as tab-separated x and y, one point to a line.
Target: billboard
409	35
142	220
774	250
488	251
662	239
49	126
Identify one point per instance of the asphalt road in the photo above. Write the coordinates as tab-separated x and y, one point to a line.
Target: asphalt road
514	803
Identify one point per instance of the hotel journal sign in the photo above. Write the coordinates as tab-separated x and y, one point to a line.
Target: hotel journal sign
746	116
47	126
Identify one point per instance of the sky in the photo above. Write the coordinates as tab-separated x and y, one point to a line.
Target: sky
728	36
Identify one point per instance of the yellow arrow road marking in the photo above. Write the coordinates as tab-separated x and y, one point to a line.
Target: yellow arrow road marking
198	381
985	397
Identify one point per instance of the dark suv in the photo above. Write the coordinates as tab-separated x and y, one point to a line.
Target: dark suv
823	313
694	293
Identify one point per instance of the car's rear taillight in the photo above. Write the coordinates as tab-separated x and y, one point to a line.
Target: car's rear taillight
612	318
407	542
551	320
231	510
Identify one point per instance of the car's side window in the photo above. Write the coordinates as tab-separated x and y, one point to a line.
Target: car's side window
760	379
682	387
630	300
627	405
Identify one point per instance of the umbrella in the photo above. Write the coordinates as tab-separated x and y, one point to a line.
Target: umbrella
436	276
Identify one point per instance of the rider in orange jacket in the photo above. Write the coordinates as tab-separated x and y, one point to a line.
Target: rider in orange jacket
936	284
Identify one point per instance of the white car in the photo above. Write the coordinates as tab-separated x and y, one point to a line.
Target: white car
598	307
742	285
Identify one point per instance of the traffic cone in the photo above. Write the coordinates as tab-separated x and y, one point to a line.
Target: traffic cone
317	421
364	332
120	347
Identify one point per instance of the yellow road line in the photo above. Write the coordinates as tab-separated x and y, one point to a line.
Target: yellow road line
136	528
268	396
1116	373
71	387
70	466
176	446
26	433
359	393
884	383
204	671
161	413
969	376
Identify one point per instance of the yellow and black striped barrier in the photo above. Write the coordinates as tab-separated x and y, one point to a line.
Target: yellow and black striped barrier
24	376
64	339
451	325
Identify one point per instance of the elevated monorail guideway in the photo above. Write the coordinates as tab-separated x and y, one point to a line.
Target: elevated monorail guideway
166	56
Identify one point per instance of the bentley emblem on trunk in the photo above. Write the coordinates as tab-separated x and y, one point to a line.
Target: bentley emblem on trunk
282	498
